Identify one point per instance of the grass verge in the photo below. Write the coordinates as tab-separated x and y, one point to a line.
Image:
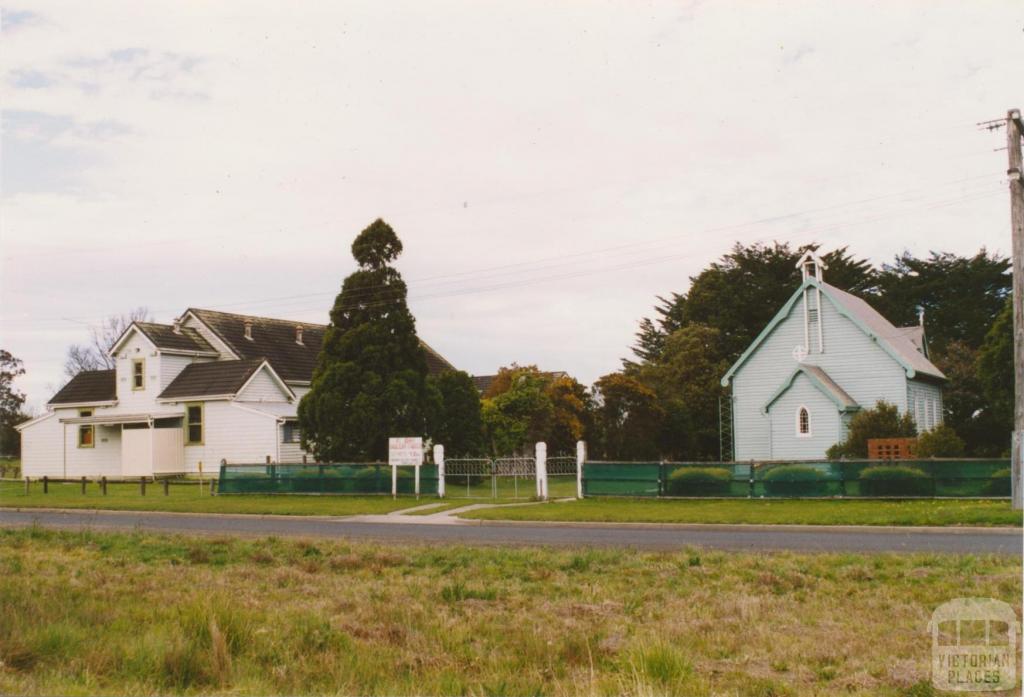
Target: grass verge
793	512
188	498
118	613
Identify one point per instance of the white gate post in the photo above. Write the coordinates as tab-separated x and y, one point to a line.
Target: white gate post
394	481
541	468
439	461
417	485
581	457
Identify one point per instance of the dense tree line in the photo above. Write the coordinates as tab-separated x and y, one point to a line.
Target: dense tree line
372	382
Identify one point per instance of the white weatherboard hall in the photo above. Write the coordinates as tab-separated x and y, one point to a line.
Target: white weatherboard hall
825	355
211	386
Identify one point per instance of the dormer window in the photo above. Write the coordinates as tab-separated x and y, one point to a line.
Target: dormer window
298	334
139	374
248	329
803	423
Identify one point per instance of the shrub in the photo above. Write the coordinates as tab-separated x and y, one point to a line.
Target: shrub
894	480
794	480
941	441
999	484
699	481
883	421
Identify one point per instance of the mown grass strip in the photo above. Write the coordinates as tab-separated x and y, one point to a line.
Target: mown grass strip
792	512
116	613
189	498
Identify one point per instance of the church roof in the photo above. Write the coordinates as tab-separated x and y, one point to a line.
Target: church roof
820	379
904	344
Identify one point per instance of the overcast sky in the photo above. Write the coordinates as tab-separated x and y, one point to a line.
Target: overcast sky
550	167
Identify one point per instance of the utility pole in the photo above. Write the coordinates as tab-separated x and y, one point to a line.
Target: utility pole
1014	129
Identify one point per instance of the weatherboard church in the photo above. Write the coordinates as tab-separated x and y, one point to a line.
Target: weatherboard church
824	356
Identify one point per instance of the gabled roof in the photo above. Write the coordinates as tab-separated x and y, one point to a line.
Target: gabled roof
900	340
895	341
274	339
214	378
164	337
88	386
483	382
916	337
821	380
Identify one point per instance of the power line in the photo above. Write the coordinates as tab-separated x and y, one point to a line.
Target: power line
641	262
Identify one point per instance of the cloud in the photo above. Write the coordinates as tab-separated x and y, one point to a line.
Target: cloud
550	168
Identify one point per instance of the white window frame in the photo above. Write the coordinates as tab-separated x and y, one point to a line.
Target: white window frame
799	410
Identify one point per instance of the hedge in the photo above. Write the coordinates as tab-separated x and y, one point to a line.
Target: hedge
699	481
794	480
894	480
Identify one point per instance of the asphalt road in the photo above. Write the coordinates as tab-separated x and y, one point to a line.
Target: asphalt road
653	537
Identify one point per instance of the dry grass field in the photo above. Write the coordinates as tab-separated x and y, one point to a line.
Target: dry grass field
103	613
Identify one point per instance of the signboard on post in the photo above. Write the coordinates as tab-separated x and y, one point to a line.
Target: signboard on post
404	452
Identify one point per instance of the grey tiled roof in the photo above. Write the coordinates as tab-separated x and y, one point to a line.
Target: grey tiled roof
163	336
88	386
211	378
274	339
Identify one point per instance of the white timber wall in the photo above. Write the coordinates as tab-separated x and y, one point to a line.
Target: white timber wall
291	452
137	401
262	388
854	361
824	422
103	460
42	448
924	400
137	452
234	434
168	450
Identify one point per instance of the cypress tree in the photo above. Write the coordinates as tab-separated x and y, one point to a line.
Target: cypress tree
370	381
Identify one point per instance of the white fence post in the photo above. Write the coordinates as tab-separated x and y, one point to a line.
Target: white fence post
439	461
541	468
394	481
581	457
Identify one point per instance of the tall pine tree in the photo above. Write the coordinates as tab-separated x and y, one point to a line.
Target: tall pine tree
371	376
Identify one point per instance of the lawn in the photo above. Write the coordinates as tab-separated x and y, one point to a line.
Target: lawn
190	498
832	512
133	613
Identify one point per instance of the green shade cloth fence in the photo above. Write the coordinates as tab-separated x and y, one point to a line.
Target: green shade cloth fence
960	478
332	478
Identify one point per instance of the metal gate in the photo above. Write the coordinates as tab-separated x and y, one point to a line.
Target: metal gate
561	476
491	478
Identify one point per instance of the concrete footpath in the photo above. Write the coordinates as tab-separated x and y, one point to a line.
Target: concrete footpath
445	528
